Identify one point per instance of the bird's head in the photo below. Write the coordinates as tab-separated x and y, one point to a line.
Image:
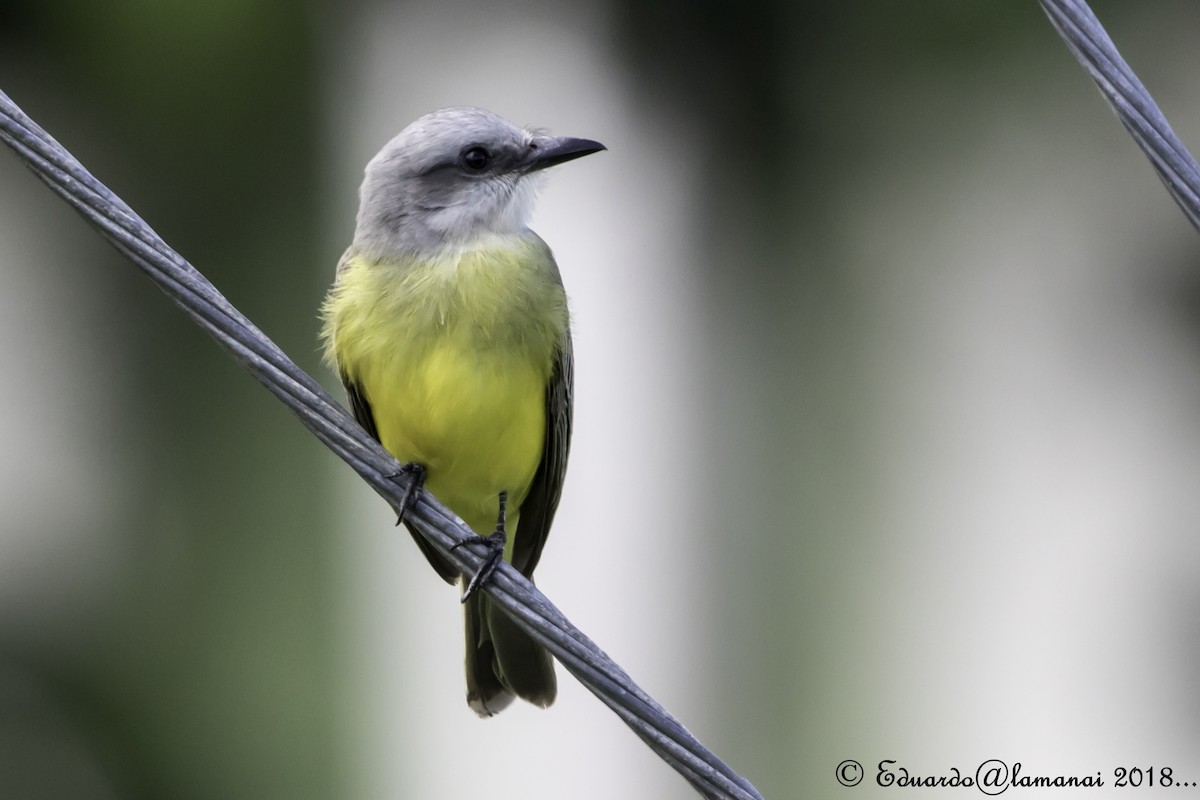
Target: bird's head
454	176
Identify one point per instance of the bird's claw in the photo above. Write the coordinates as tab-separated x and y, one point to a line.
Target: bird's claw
414	475
495	546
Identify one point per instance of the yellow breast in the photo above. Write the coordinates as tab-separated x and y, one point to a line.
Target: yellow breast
454	354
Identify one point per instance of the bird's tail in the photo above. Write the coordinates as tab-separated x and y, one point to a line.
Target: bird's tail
503	660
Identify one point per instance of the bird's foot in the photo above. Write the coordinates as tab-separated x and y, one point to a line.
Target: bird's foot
414	478
495	547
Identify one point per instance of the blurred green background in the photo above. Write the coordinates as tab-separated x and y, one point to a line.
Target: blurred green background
888	406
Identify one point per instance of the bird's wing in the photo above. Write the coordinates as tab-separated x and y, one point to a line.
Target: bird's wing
537	512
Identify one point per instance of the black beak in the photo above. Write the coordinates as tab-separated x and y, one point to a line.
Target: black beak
547	151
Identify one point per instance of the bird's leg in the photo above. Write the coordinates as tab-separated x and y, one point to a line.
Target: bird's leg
495	544
414	474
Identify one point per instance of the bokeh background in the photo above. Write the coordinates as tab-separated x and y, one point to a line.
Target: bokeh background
888	416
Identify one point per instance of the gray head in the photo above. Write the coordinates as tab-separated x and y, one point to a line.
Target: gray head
454	176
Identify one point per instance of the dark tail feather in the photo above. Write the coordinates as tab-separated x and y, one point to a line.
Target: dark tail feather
503	661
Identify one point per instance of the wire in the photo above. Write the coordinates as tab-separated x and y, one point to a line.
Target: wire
201	301
1134	106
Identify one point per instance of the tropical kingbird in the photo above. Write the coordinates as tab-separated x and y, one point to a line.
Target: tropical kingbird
448	326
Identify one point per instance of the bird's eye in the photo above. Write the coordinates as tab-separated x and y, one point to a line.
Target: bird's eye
476	158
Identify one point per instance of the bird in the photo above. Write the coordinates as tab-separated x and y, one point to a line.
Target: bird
448	325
